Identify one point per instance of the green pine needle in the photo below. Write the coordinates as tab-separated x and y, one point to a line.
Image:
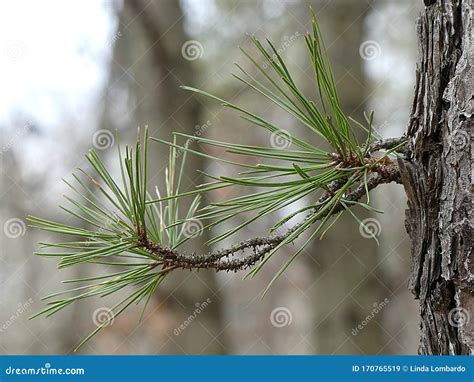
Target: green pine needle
111	218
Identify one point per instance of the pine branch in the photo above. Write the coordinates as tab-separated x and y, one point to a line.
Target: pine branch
128	229
172	259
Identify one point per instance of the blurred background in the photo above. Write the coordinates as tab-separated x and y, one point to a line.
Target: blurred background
72	73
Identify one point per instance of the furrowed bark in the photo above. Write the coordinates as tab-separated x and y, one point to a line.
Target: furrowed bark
437	179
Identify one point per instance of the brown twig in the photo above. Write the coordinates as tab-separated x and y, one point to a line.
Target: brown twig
261	246
387	144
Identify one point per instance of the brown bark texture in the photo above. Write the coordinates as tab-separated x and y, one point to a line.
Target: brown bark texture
438	181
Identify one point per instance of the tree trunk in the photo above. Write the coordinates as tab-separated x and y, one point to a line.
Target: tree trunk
146	70
437	179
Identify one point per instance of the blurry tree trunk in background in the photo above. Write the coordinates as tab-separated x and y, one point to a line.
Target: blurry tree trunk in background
347	278
437	179
26	276
15	249
146	71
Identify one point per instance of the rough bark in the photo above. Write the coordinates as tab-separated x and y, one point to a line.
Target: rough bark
437	179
